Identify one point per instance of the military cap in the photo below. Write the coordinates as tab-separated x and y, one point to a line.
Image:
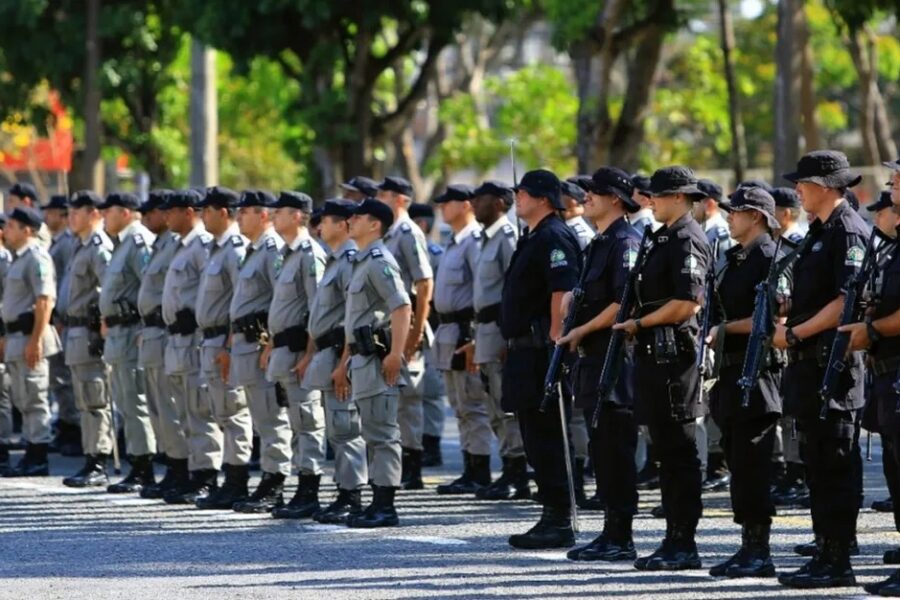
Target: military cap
752	198
123	199
58	201
640	182
315	218
397	185
828	168
884	201
220	197
85	198
785	197
582	181
616	182
710	189
497	189
377	209
893	165
674	180
572	190
341	208
3	219
364	185
256	198
542	183
756	183
184	199
155	199
456	191
23	190
298	200
27	216
420	210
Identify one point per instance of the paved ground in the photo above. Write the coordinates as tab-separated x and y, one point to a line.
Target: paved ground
71	544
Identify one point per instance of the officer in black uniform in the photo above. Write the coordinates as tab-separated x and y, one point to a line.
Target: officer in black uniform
833	253
544	267
607	262
669	399
748	433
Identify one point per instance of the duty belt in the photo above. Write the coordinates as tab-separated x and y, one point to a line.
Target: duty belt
78	322
332	339
795	356
185	323
488	314
458	316
24	324
214	332
526	342
885	366
252	325
122	320
731	359
155	318
295	338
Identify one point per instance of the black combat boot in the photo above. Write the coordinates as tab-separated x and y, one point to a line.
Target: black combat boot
752	559
33	464
431	455
677	552
792	489
889	587
614	544
578	480
829	568
255	449
269	494
92	474
176	476
512	483
232	490
140	476
380	513
305	502
885	506
718	477
411	469
466	483
347	504
814	547
69	439
891	557
200	484
553	530
4	460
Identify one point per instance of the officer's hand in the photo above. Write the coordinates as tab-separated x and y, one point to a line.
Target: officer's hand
33	352
340	381
103	329
469	350
572	339
629	327
390	368
859	335
713	333
302	365
413	341
779	338
2	349
223	359
264	357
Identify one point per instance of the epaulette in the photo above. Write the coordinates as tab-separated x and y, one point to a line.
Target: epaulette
476	234
96	239
306	245
349	253
206	238
405	227
768	250
723	234
271	244
437	250
509	231
683	233
376	252
237	241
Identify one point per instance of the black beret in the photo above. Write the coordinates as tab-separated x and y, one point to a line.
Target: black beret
23	190
456	191
338	207
397	185
85	198
377	209
58	201
298	200
496	188
220	197
615	181
420	210
752	198
364	185
123	199
884	201
674	180
27	216
572	190
256	198
785	197
542	183
711	189
184	199
828	168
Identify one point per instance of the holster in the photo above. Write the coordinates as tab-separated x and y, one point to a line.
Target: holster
371	341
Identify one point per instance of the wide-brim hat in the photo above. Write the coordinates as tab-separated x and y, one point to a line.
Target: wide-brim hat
542	183
669	181
615	182
828	168
752	198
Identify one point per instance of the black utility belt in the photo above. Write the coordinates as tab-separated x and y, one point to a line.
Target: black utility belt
885	366
295	338
332	339
155	318
527	342
488	314
665	344
88	322
122	320
24	324
185	323
459	317
253	326
371	341
210	333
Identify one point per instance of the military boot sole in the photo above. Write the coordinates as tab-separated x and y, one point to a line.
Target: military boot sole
187	498
564	539
304	511
328	517
256	507
606	555
659	564
739	572
362	522
30	471
889	588
458	490
208	503
83	483
126	488
806	582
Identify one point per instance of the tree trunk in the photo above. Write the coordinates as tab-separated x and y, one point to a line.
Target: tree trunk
807	90
787	89
204	117
862	54
735	122
91	175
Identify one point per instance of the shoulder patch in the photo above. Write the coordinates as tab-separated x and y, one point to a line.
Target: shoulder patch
476	234
768	250
437	250
306	245
96	239
205	238
691	265
376	252
629	258
508	230
855	255
271	244
139	240
405	227
237	241
557	258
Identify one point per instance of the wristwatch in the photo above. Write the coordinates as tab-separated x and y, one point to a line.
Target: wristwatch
874	336
637	324
791	337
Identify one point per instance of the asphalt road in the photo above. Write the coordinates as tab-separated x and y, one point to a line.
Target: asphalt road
73	544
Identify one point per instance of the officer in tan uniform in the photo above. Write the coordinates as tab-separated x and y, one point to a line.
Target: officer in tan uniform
376	325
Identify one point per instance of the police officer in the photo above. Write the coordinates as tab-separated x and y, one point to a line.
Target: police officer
880	334
834	252
121	326
607	262
359	188
644	215
668	394
62	248
181	359
230	414
326	332
29	291
25	194
787	211
167	416
493	200
543	268
434	394
6	408
453	303
84	345
406	243
748	433
376	324
289	347
249	316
